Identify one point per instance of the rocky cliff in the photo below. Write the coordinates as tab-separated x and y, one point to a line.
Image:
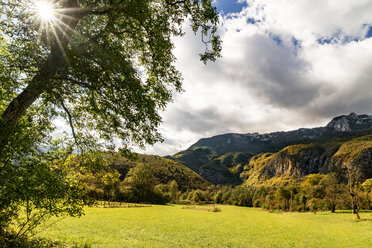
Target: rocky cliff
297	161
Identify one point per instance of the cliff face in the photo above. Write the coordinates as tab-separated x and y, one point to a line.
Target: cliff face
297	161
355	153
285	155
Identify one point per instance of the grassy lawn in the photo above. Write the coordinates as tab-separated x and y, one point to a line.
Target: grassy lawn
172	226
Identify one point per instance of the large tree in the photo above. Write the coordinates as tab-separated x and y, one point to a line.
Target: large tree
104	66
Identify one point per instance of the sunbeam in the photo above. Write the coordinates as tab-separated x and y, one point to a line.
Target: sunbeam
45	11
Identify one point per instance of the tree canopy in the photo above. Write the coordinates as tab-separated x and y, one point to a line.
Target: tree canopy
102	65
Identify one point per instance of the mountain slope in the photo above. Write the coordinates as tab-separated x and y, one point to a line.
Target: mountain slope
312	146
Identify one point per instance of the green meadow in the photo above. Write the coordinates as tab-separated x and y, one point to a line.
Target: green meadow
174	226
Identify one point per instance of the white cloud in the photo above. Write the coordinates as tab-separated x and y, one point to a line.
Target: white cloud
310	19
267	82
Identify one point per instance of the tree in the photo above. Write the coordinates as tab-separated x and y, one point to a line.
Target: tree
283	194
313	192
367	188
141	182
106	67
43	186
173	191
107	64
333	191
198	196
218	198
353	175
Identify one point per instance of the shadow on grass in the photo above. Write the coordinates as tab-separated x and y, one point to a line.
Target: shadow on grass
364	220
171	205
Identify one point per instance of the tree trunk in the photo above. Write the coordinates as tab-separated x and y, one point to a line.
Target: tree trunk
356	210
333	208
18	106
23	101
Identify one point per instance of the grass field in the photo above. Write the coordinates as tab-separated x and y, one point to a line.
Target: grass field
172	226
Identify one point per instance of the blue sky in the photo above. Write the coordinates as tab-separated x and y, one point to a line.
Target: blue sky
229	6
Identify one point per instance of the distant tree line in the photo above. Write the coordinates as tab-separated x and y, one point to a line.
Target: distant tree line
316	192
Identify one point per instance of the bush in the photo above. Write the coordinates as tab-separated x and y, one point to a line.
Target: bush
11	240
257	203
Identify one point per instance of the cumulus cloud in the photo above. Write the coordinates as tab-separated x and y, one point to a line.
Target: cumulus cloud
286	64
310	20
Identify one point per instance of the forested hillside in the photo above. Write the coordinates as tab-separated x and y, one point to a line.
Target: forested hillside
144	178
164	170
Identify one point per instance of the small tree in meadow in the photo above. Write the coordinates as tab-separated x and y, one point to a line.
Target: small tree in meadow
141	182
173	191
353	175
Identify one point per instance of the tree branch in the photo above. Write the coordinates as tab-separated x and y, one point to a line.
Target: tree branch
179	2
69	117
96	11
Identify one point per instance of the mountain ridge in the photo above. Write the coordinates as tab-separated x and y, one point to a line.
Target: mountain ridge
343	123
206	156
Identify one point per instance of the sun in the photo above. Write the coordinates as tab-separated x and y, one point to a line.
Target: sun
45	11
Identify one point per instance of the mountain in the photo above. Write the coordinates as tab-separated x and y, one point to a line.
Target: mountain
296	161
164	170
233	158
350	123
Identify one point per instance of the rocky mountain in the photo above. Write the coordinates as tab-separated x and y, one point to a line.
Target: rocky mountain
253	157
350	123
296	161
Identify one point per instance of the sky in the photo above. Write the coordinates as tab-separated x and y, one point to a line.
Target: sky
286	64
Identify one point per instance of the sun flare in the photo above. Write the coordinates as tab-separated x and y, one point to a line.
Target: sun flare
45	11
